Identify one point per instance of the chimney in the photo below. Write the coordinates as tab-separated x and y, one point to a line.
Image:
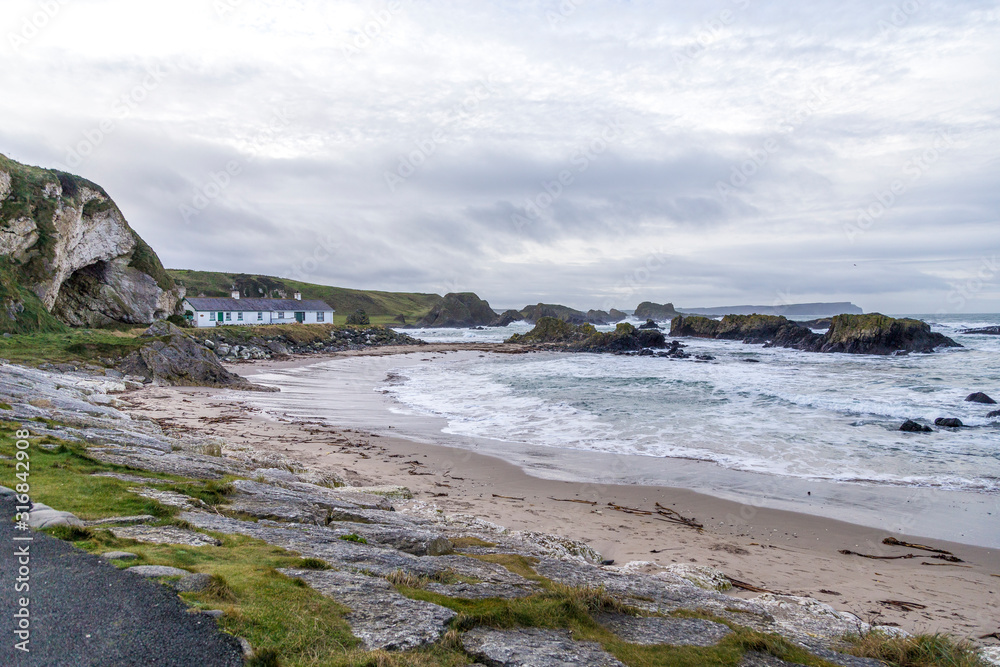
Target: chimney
298	296
235	294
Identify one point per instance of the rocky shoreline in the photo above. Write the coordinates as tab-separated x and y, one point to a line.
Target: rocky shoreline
383	563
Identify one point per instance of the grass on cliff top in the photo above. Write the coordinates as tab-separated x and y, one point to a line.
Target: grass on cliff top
71	346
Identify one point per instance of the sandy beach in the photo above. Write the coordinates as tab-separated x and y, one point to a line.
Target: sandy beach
770	549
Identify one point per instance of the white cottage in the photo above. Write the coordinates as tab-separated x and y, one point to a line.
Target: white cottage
219	311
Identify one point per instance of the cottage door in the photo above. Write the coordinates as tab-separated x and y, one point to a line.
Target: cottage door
300	317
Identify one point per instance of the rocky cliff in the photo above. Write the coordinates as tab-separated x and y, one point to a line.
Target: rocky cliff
67	242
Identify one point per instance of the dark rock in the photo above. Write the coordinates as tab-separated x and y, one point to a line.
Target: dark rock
948	422
532	647
878	334
853	334
980	397
655	311
174	358
705	357
650	324
995	413
617	315
599	317
534	314
911	426
557	334
508	317
985	331
663	631
459	311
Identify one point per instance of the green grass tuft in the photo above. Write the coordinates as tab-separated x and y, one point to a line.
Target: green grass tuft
916	651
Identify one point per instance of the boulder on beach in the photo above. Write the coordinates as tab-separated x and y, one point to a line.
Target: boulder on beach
172	357
910	426
948	422
980	397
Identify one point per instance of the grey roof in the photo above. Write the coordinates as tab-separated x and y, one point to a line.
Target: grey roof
225	303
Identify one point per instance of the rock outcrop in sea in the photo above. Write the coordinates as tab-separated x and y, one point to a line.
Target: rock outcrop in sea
852	334
459	311
660	312
68	244
552	333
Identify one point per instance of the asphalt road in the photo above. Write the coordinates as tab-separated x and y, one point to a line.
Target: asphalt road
86	612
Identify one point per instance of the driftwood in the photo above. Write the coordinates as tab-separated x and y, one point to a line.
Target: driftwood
992	635
571	500
893	542
947	557
675	517
748	587
948	565
630	510
848	552
507	497
900	604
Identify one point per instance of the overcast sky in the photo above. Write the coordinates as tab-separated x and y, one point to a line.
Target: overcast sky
595	153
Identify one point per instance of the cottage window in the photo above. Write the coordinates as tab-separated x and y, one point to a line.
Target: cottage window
229	317
239	316
260	316
320	316
281	316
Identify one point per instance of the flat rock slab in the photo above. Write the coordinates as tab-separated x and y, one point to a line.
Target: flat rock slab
119	555
380	617
670	631
323	543
122	520
754	659
165	535
158	571
837	658
530	647
171	498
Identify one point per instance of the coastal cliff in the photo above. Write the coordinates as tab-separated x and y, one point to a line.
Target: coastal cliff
69	253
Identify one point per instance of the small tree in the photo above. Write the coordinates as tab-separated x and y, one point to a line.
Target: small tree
358	317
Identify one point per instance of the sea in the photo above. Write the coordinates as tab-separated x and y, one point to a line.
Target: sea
790	429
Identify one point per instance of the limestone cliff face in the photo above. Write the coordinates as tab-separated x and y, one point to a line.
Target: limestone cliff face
72	247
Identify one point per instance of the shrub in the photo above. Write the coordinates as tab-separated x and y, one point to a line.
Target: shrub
359	318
